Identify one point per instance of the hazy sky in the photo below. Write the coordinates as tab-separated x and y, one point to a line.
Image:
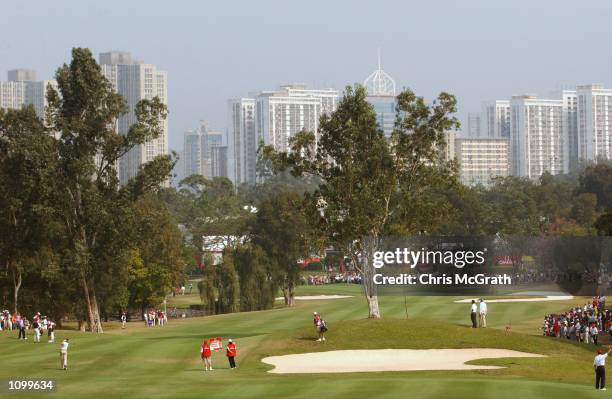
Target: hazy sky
216	50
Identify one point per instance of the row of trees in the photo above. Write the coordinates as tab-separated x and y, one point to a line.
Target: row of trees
373	186
73	241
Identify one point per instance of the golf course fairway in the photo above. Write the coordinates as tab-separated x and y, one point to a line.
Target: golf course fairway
164	362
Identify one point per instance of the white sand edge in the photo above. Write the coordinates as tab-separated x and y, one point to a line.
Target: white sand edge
544	299
366	360
316	297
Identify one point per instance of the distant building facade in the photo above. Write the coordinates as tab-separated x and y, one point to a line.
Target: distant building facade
474	124
538	144
242	141
198	148
135	81
380	88
594	122
570	126
481	159
218	161
272	118
496	118
194	145
22	89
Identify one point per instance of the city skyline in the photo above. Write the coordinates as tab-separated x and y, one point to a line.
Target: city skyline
213	62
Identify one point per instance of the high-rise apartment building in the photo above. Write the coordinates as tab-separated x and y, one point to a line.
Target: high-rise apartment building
198	152
481	159
474	124
194	142
594	123
450	138
538	143
216	155
496	118
218	161
136	81
284	112
22	75
272	118
242	141
22	88
570	126
380	88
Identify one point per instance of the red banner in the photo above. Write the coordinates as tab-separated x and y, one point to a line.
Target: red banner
216	344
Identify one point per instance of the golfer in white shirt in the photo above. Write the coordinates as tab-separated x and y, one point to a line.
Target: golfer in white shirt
482	313
599	364
64	354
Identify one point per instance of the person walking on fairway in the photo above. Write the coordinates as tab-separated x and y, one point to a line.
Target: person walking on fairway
37	330
206	354
482	310
123	319
317	324
599	364
64	354
50	333
21	325
231	353
473	313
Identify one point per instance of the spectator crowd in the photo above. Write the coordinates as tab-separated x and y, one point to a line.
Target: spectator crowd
155	318
39	326
581	323
348	278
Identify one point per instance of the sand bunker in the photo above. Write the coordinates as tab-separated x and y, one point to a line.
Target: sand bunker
316	297
544	299
353	361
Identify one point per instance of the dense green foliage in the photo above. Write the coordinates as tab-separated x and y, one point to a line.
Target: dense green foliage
74	241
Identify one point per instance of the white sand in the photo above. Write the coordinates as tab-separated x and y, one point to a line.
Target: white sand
352	361
543	299
316	297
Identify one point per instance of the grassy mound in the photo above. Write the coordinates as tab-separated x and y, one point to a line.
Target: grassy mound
389	333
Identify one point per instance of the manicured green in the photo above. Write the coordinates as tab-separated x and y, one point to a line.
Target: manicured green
142	362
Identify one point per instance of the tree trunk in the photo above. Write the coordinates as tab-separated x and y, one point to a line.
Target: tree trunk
93	314
373	309
16	287
97	326
370	245
289	295
90	317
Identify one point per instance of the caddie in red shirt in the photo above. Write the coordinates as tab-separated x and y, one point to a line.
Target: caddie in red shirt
206	355
231	353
